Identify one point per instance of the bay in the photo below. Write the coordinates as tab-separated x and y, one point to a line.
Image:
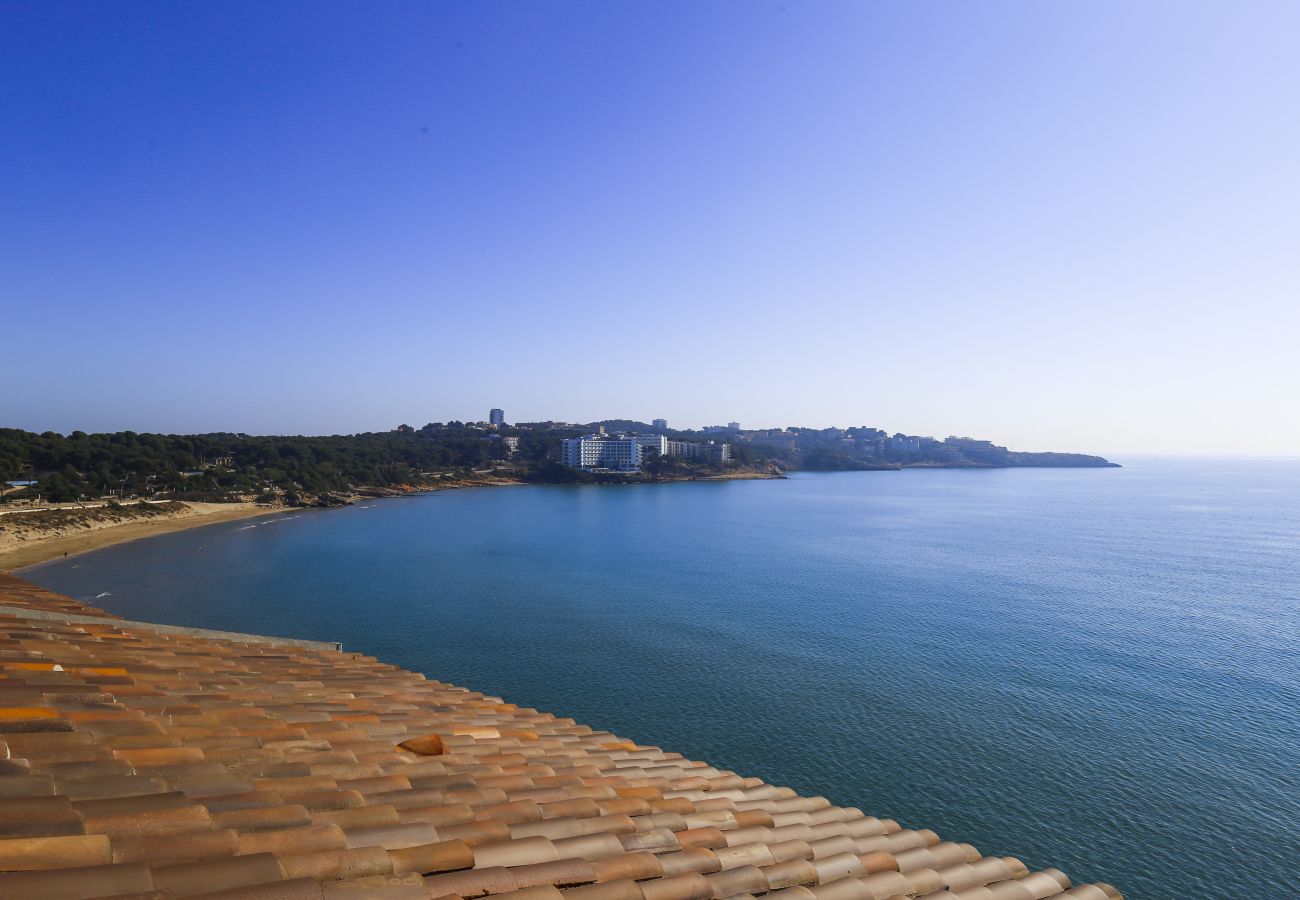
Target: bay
1094	669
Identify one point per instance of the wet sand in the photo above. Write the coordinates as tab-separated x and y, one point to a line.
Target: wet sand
17	554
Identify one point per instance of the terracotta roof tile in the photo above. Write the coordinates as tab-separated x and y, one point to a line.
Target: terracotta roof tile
393	836
357	816
697	859
690	886
157	763
328	865
623	889
285	841
39	817
472	882
188	847
426	859
261	818
742	880
112	786
217	874
74	882
296	889
637	865
589	846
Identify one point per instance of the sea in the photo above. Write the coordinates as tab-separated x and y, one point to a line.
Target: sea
1092	669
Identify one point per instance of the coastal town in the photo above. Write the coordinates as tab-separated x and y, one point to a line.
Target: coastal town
625	446
80	468
69	493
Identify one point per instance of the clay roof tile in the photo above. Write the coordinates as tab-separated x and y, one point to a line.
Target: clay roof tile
72	882
691	886
392	836
636	865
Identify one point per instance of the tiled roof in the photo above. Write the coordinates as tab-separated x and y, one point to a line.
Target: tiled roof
151	764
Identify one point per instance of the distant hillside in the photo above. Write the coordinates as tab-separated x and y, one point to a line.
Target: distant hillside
292	469
1071	460
613	425
221	467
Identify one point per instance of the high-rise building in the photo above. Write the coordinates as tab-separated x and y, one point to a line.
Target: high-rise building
712	452
660	424
595	451
496	417
717	454
656	442
627	452
734	426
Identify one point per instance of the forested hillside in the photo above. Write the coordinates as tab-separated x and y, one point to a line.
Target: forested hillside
215	466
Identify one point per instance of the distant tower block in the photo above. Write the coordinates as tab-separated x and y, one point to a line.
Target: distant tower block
660	424
734	426
496	417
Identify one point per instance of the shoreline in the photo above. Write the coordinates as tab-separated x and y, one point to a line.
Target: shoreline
17	556
22	555
743	476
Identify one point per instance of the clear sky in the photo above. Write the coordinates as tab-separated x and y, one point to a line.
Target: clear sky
1065	225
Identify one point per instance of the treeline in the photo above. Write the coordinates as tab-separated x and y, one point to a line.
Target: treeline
830	449
227	466
220	466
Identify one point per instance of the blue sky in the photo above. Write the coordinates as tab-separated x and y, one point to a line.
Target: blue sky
1057	225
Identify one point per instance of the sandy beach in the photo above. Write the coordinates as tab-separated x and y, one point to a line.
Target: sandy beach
21	547
28	538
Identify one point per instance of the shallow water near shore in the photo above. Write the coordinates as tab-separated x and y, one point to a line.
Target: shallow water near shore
1094	669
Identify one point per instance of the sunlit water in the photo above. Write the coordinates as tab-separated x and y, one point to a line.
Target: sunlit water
1093	669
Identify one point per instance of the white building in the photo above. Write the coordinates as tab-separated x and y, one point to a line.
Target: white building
712	452
626	453
594	451
656	442
684	449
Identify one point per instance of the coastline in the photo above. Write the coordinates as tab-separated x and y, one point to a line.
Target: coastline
744	475
16	555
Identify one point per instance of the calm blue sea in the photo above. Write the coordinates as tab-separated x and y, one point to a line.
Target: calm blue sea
1097	669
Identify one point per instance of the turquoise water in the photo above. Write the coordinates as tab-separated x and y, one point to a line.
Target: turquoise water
1093	669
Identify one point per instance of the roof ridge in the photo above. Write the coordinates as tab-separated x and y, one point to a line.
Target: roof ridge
210	633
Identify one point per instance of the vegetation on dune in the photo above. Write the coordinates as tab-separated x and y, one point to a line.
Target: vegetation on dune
55	520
